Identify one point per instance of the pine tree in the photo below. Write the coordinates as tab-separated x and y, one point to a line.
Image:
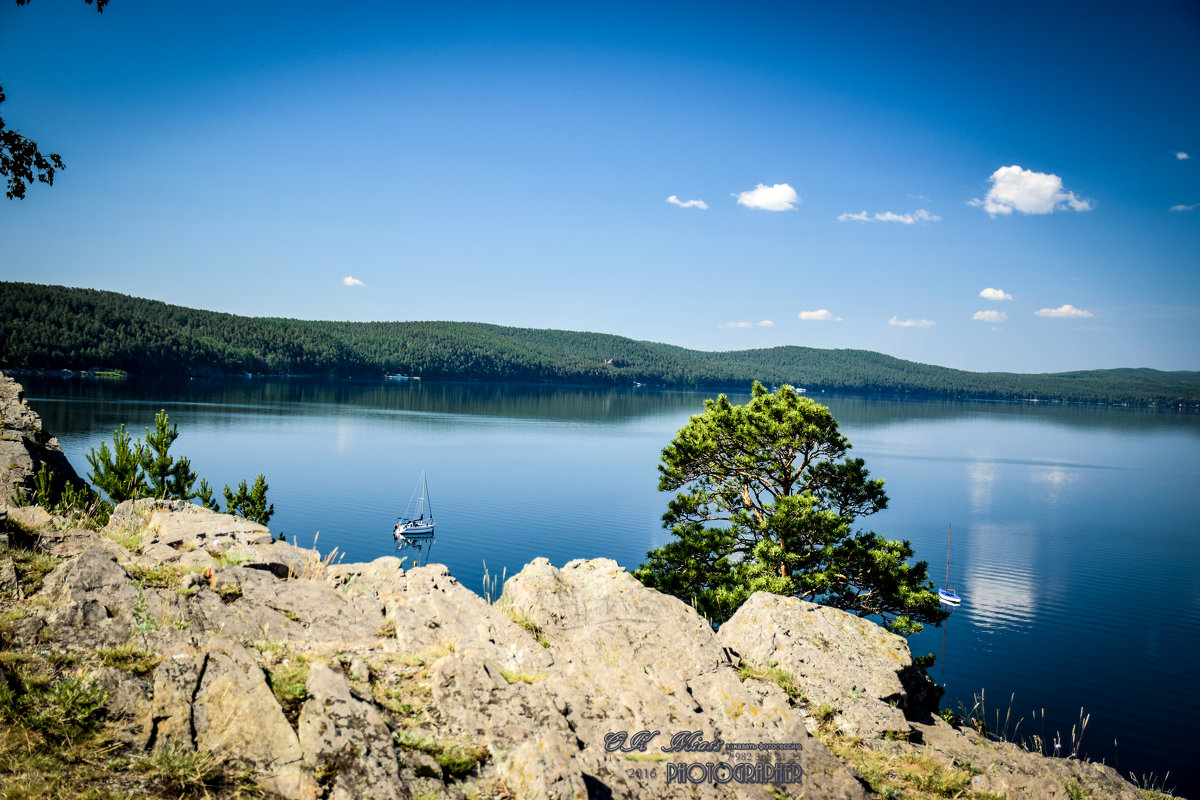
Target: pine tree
768	503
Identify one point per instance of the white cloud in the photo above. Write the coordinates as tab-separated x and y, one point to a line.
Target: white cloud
1066	310
350	280
1185	208
819	314
911	323
995	294
1182	156
990	316
779	197
766	323
920	215
673	200
1017	189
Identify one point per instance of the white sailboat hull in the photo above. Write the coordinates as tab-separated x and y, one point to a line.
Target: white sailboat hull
409	528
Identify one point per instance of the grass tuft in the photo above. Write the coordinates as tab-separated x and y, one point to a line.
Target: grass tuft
288	680
161	576
771	673
530	625
129	659
456	759
523	677
32	567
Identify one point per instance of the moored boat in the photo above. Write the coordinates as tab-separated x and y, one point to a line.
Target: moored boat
420	525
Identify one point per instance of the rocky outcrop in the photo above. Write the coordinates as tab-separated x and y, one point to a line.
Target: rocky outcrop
849	665
368	680
25	447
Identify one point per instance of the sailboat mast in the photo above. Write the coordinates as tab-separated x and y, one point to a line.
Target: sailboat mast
949	525
425	493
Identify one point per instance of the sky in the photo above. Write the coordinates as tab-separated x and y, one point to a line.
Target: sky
989	186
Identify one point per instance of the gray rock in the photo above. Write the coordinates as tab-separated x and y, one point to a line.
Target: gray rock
848	663
235	713
595	612
346	740
9	583
33	518
544	767
25	447
176	683
91	601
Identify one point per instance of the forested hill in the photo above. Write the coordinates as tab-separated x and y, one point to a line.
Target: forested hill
54	327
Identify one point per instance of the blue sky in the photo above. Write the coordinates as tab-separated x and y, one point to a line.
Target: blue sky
864	171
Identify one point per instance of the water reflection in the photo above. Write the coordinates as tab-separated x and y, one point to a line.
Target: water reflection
1052	483
981	479
1000	588
548	401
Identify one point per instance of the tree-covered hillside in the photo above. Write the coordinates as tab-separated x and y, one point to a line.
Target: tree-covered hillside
54	327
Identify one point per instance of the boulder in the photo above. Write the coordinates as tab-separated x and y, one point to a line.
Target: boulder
25	447
345	741
849	664
91	601
234	714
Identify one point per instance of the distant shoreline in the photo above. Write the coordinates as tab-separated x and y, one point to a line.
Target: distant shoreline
51	328
733	389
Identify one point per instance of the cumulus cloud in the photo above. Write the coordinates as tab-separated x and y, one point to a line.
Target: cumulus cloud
673	200
766	323
1182	156
990	316
1066	310
350	280
995	294
911	323
779	197
819	314
920	215
1185	208
1017	189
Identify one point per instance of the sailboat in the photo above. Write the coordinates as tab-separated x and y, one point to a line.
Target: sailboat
946	594
421	525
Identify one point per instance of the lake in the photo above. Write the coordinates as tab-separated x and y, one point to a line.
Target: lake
1076	545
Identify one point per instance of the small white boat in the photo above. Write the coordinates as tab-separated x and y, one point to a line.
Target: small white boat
421	525
946	594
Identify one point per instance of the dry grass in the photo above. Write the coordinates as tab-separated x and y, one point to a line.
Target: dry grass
523	677
905	774
527	622
31	565
771	673
129	658
316	567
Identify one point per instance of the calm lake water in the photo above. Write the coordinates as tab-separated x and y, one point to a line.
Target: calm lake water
1076	545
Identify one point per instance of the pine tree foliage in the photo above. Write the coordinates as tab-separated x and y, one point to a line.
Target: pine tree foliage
118	473
250	503
133	469
767	499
